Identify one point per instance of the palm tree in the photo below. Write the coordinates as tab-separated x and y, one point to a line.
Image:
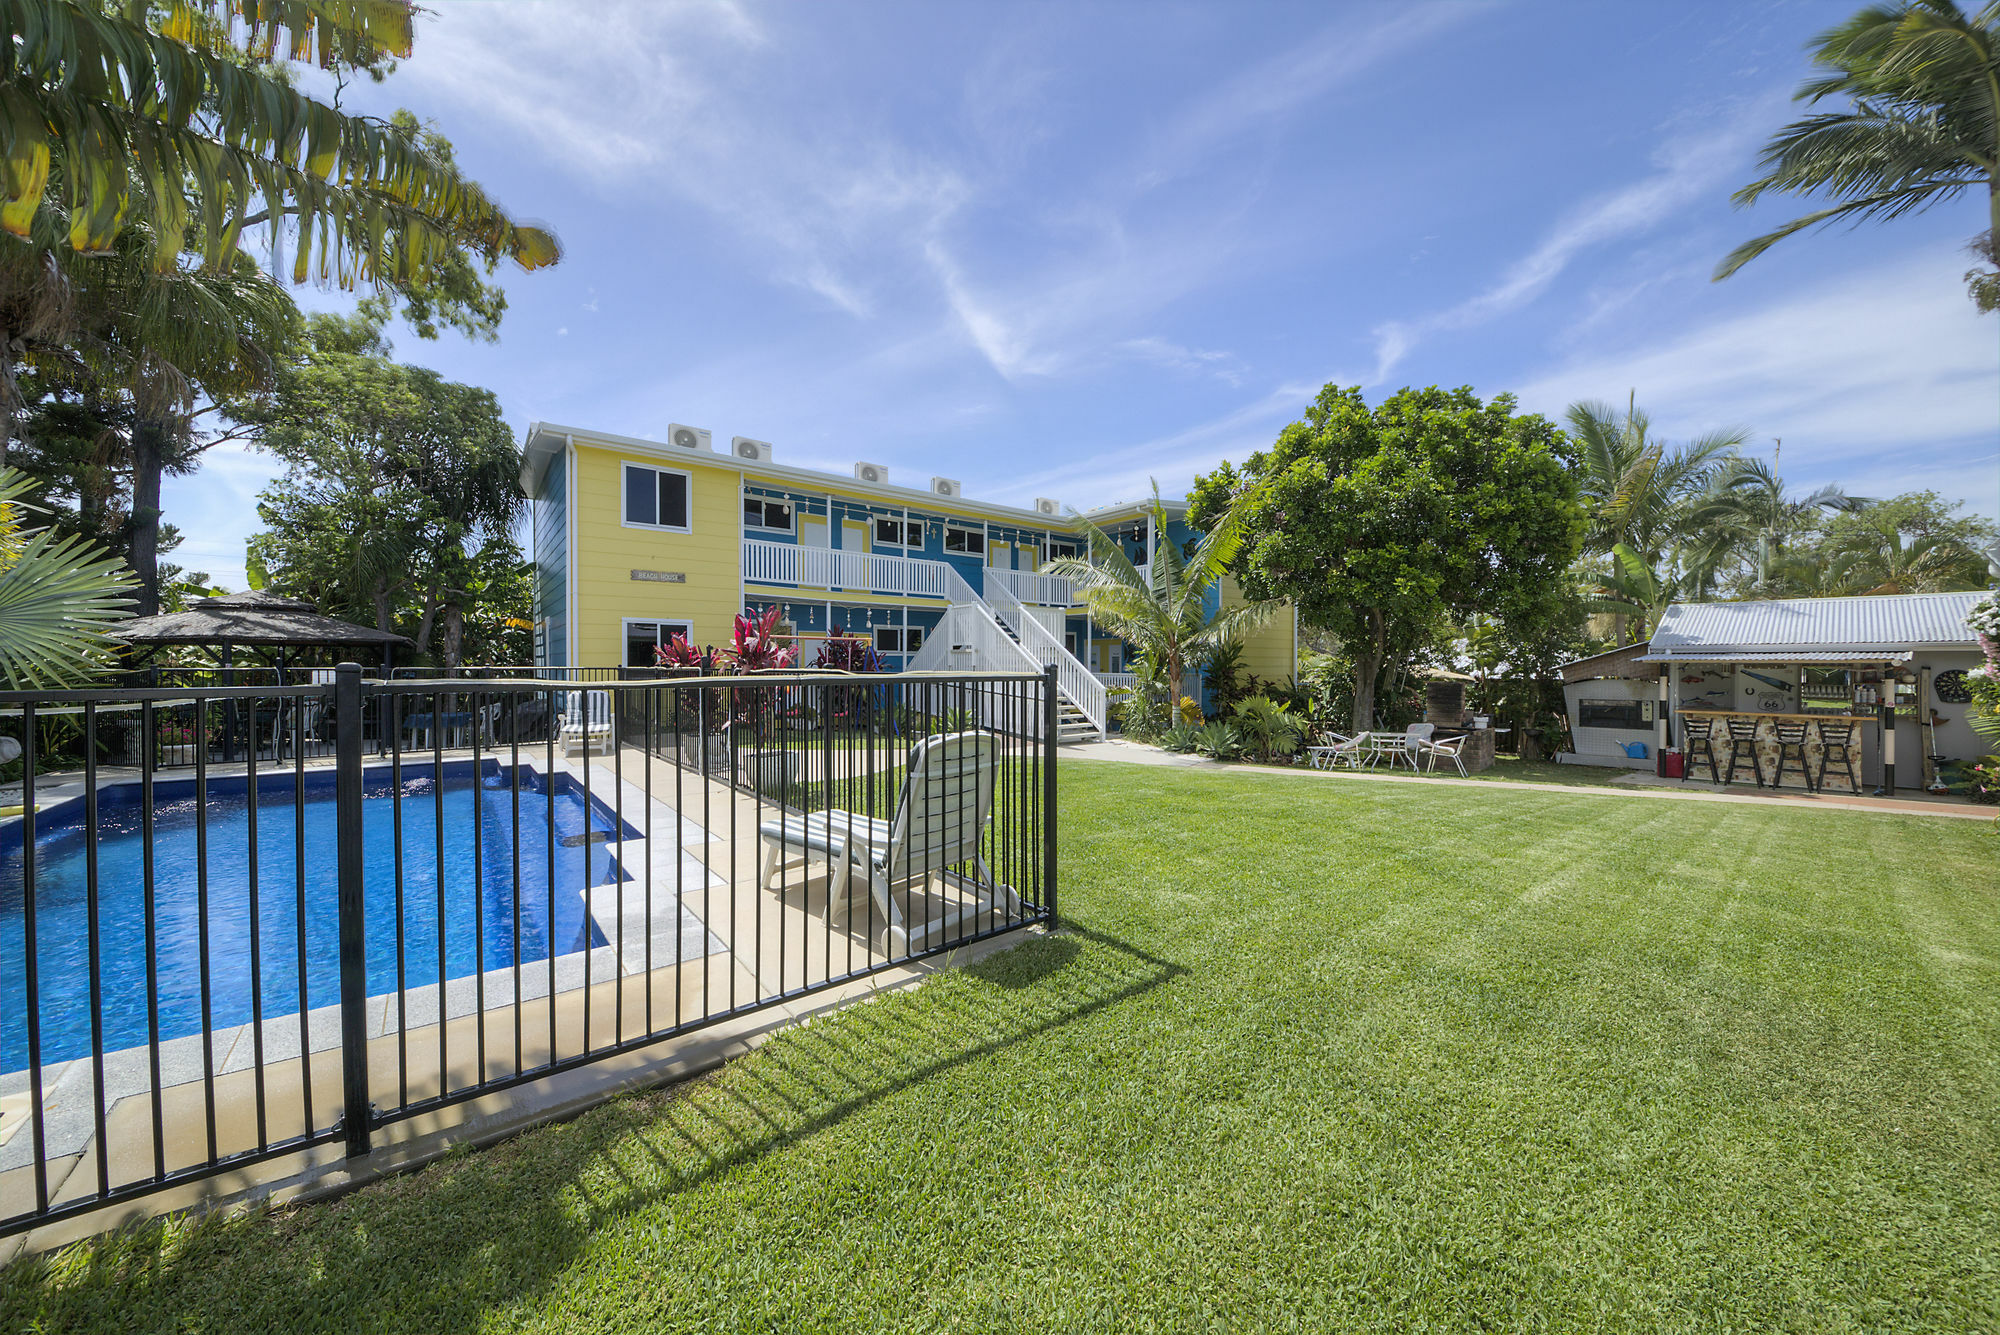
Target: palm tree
1165	610
1660	501
1752	500
58	597
1923	77
1636	594
178	117
1877	555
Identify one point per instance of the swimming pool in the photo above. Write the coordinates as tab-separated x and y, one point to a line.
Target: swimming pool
477	822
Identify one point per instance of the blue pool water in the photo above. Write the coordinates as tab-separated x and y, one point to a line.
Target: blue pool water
62	918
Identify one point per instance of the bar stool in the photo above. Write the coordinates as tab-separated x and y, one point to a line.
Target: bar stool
1840	737
1743	741
1698	738
1791	735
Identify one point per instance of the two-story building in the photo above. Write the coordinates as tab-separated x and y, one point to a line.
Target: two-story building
638	540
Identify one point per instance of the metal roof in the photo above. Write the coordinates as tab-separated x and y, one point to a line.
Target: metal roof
1781	656
1881	626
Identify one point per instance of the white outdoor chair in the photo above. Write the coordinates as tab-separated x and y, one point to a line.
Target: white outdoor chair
586	723
1415	738
1450	749
940	816
1338	750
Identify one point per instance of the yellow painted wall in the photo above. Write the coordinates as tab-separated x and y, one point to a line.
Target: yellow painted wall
607	553
1270	652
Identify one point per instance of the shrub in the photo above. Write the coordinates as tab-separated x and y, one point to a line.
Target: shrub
1190	712
1181	738
1269	729
1219	739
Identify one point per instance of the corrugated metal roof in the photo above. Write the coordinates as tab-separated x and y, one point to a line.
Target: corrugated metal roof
1843	627
1780	656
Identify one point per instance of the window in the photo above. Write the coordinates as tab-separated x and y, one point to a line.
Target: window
763	513
1613	714
1058	550
913	639
642	637
656	498
897	533
971	540
895	640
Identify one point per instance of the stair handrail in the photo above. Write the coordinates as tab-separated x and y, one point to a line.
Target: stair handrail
1075	680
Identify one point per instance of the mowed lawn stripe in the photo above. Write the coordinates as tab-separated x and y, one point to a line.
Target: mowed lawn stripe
1308	1057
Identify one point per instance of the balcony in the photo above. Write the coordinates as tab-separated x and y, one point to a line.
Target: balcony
1033	589
841	571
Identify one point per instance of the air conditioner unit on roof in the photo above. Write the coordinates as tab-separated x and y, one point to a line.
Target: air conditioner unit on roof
876	473
758	451
690	437
1046	506
947	486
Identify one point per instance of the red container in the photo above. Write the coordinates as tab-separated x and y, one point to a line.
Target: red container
1670	764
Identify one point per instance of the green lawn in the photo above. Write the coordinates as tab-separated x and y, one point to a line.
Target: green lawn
1312	1056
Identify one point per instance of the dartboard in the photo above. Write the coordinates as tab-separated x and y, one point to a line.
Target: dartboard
1950	688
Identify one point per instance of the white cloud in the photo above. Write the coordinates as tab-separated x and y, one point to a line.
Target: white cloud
1103	476
1691	167
1869	379
1282	85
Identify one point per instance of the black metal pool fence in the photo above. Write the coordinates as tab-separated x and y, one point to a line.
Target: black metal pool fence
242	921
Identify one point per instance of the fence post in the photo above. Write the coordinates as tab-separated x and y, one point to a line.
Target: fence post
1051	720
351	909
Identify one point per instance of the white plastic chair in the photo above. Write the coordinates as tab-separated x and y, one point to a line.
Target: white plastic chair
1338	750
1415	738
1450	749
940	817
587	723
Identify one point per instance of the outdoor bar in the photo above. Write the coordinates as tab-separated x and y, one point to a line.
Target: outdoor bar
1822	694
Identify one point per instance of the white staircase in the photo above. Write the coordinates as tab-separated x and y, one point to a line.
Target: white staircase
1004	636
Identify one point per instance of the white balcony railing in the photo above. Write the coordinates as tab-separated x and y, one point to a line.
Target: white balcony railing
1033	589
841	571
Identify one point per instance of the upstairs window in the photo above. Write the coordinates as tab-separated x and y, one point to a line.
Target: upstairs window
898	533
1058	550
761	512
656	498
971	540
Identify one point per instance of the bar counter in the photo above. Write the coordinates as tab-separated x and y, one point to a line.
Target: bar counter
1767	747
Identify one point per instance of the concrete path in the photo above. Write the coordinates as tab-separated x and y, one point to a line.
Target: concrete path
1123	752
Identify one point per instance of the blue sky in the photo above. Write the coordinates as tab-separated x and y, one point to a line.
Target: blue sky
1055	250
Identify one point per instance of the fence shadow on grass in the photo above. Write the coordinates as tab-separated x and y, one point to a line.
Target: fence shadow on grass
478	1231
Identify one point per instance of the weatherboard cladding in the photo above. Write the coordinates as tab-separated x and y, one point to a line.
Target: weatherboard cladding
1814	629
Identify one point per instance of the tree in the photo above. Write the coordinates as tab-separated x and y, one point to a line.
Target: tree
141	142
1923	126
182	117
1379	524
1907	544
1166	611
59	596
401	489
1659	500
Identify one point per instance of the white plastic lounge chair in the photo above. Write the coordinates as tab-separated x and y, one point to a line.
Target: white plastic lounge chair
940	815
586	723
